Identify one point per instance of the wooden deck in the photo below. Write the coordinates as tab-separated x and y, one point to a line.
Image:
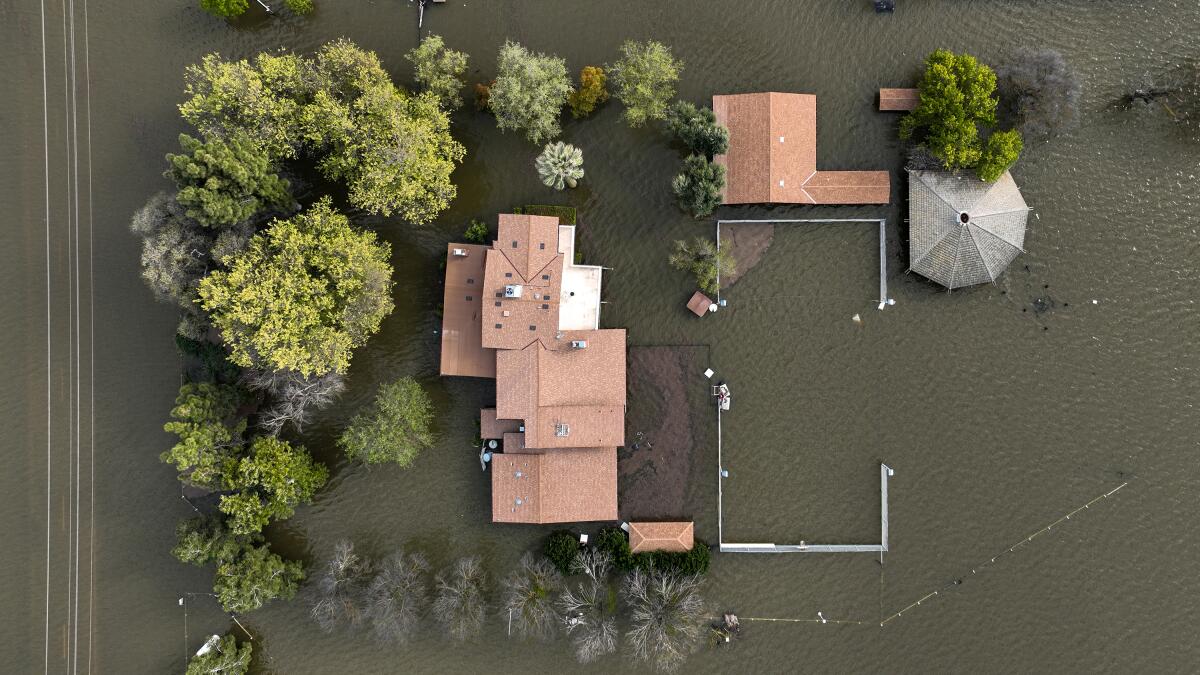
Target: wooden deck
898	100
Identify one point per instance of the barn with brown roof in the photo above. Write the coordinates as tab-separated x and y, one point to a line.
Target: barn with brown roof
772	156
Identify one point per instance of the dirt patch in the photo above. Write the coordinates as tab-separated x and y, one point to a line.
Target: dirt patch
747	243
666	434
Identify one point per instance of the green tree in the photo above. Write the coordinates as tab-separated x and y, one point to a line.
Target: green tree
303	294
255	578
702	258
698	187
560	165
591	91
645	78
273	479
261	101
529	92
300	7
225	8
205	539
439	70
394	428
957	95
477	232
210	435
560	548
224	657
224	182
697	128
1002	150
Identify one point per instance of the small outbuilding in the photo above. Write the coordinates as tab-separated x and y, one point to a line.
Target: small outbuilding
962	230
670	536
699	303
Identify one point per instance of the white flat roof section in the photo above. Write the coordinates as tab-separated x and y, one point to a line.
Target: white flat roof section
579	300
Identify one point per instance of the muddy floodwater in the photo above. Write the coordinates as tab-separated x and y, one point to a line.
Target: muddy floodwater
1000	407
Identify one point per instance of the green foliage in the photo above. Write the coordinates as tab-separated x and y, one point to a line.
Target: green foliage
645	78
225	8
213	359
255	578
206	539
300	7
529	92
560	165
702	258
698	187
591	91
303	294
439	70
560	548
394	428
477	232
225	657
273	479
209	435
614	541
1002	150
225	182
957	95
566	214
174	250
697	128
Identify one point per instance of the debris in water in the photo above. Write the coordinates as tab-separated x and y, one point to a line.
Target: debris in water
856	319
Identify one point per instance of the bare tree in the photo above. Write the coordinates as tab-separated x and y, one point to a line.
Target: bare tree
529	597
667	616
1039	90
921	159
338	598
397	597
292	397
589	608
460	606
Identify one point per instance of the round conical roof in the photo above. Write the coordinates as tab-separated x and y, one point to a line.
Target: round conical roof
962	230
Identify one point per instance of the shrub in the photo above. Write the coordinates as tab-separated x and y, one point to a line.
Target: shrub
300	7
697	128
614	542
591	92
483	95
702	258
225	8
560	165
645	78
566	214
477	232
560	548
1001	151
698	187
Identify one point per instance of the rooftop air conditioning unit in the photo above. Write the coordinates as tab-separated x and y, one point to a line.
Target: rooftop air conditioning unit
578	344
459	252
562	430
512	291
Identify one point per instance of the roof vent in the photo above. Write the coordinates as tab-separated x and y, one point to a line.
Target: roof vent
781	183
460	252
578	344
781	139
562	430
512	291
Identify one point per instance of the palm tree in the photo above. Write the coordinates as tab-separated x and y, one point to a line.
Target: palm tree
529	597
667	616
460	606
339	590
397	597
589	609
702	258
560	165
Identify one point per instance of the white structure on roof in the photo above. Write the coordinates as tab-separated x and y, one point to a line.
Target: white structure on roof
579	300
963	231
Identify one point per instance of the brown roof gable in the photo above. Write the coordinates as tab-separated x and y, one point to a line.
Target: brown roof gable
772	155
462	350
675	536
561	486
525	255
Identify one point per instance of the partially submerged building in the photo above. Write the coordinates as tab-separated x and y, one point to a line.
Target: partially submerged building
772	156
522	312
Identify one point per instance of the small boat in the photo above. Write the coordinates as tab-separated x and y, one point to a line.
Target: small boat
721	391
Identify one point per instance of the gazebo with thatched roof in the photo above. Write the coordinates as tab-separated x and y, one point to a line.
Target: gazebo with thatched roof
963	231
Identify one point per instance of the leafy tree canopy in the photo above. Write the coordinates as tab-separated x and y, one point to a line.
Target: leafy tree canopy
224	182
697	128
255	578
529	92
591	92
698	187
1002	150
645	78
394	428
225	657
440	71
957	95
209	436
273	479
303	294
206	539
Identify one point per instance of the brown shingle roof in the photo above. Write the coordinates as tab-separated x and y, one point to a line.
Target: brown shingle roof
525	254
558	487
674	536
699	303
491	427
462	350
772	155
